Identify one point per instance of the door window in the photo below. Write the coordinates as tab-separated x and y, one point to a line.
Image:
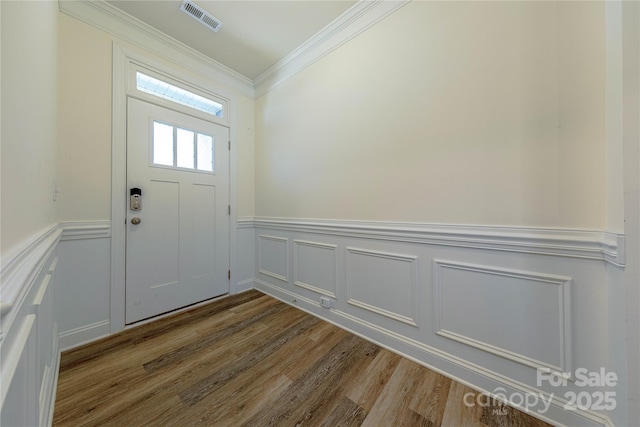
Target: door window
180	148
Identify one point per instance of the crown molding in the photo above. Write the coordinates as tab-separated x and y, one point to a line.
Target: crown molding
357	19
114	21
351	23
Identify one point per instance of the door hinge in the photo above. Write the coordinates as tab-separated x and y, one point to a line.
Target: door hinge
229	209
229	275
229	145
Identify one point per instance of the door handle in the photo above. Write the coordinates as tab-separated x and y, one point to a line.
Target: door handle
135	220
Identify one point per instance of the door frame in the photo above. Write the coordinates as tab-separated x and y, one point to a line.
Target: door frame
124	61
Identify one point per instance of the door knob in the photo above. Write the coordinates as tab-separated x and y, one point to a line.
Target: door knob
135	220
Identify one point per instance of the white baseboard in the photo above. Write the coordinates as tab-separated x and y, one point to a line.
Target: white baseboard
243	286
83	335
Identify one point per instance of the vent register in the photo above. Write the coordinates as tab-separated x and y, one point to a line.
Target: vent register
200	15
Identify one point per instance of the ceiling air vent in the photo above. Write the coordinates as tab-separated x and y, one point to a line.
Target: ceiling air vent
198	13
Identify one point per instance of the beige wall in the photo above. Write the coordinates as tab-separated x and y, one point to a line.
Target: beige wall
85	78
446	112
582	144
245	135
29	119
480	113
84	152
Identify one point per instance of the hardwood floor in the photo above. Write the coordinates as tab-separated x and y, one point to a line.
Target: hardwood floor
250	360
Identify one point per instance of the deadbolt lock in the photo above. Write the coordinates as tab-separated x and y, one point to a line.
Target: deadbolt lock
135	199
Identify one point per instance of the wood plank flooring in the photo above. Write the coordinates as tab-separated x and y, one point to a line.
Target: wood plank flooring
250	360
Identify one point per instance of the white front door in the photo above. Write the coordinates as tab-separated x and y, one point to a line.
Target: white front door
178	240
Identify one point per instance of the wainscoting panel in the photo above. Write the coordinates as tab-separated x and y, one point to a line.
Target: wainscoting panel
383	283
519	315
243	269
315	267
19	397
83	287
29	355
273	257
47	343
486	306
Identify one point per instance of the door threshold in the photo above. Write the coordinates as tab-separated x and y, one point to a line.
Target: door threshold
174	312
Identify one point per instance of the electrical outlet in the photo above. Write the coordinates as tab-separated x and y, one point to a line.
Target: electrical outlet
326	302
55	190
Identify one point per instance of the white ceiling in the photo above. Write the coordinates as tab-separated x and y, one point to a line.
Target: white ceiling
255	34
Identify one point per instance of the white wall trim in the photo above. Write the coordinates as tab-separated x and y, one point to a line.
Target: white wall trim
26	293
261	267
331	293
118	186
351	23
613	248
467	373
564	306
413	260
573	243
122	60
559	268
245	223
243	286
50	384
77	230
19	270
11	360
84	335
114	21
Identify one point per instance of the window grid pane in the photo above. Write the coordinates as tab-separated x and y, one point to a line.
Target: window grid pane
162	144
182	148
185	148
205	152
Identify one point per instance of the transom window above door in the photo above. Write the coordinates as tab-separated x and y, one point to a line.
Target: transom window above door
169	92
180	148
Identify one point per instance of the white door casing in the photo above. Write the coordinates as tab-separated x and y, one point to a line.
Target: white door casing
179	252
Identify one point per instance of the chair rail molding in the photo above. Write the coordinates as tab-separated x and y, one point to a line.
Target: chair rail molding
76	230
573	243
246	223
